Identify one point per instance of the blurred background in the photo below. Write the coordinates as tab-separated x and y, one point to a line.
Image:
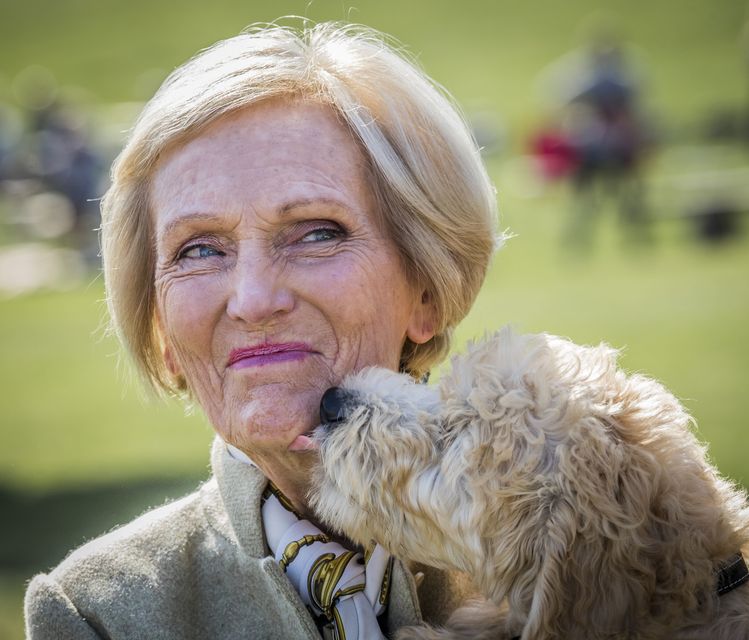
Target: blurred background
617	134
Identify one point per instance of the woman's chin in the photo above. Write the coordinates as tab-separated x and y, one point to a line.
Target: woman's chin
276	420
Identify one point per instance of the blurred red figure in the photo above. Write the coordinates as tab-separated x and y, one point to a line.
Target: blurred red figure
554	153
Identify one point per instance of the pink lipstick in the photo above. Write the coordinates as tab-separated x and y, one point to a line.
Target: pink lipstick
268	353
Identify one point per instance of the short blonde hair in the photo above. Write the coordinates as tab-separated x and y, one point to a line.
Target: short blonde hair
430	185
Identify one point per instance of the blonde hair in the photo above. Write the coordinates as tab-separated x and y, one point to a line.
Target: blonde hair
429	182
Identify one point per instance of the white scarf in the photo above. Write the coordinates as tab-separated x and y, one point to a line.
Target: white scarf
346	589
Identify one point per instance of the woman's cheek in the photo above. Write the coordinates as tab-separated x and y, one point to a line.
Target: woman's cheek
186	303
188	320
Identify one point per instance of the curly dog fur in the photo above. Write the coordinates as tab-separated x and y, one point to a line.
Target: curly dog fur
571	492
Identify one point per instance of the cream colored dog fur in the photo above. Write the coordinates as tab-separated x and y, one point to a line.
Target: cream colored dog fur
572	493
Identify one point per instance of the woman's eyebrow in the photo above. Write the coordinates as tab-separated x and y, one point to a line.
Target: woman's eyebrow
312	202
187	219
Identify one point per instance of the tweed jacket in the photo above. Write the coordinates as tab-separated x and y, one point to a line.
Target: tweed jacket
199	567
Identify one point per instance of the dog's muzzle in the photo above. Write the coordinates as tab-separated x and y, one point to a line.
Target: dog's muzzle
334	406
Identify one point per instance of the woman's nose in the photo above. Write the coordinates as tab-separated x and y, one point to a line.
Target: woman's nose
259	293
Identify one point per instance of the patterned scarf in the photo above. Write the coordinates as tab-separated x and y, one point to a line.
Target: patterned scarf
345	590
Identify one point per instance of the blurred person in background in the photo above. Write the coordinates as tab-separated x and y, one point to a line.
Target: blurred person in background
53	155
290	207
66	162
8	142
602	135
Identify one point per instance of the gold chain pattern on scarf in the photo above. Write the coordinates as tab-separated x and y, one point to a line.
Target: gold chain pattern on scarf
324	574
291	551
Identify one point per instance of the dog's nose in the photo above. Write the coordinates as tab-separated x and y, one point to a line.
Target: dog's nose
333	405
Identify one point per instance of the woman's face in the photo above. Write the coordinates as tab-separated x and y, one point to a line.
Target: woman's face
274	279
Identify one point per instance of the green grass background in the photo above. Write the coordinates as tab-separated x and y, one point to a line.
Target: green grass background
82	448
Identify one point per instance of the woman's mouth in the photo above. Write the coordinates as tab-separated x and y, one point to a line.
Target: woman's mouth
268	353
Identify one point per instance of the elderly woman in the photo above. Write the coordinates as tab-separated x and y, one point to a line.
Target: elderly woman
290	207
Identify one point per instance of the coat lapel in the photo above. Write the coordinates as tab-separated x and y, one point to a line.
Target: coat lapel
241	487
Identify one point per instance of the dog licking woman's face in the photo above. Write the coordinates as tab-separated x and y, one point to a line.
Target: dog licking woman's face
380	440
548	475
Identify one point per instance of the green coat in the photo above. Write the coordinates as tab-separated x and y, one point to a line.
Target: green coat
199	567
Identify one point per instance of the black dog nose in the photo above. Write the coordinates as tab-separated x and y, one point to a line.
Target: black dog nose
333	405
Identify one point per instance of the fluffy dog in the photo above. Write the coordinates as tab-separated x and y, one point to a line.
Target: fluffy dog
570	491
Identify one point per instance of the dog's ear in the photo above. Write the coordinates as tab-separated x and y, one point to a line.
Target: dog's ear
597	552
549	601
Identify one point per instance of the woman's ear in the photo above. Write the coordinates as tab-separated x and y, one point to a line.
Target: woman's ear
421	326
167	350
170	361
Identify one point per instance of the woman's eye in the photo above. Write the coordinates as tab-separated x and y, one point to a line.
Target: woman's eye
321	235
200	251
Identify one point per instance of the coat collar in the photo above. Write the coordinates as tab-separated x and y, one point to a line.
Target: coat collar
241	486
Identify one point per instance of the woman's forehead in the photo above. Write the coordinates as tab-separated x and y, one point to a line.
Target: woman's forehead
272	155
266	128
